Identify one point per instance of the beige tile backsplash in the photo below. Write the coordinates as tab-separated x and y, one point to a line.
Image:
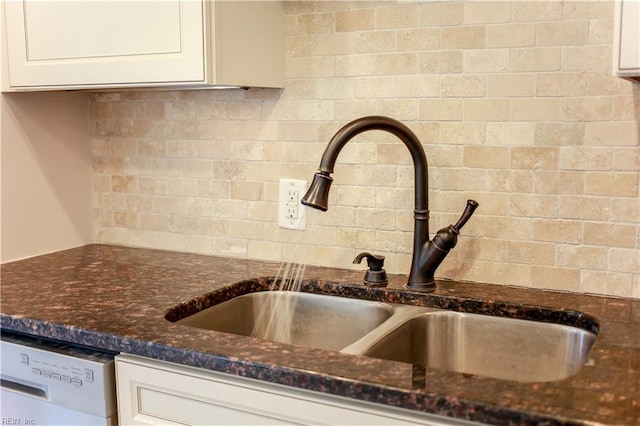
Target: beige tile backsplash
514	104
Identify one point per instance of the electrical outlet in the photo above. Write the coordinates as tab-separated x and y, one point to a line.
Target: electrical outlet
292	208
291	214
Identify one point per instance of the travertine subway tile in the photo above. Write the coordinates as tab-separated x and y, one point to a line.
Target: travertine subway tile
513	102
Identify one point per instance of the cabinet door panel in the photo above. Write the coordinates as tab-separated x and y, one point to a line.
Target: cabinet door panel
63	43
134	28
185	408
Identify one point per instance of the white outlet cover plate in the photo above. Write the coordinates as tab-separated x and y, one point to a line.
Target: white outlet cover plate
285	185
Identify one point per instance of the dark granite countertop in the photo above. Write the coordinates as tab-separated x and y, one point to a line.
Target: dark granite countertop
115	298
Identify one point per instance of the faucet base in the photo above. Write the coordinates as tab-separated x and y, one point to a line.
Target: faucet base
426	287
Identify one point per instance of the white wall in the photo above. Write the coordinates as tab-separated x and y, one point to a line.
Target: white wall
46	173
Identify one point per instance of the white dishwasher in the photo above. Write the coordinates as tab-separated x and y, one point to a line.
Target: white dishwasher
50	383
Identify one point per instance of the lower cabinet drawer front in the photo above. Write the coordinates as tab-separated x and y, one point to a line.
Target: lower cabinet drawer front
171	406
155	392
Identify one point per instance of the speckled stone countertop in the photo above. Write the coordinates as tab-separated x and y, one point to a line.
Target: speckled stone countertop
116	299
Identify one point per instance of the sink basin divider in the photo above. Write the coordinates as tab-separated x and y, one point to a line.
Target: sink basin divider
402	313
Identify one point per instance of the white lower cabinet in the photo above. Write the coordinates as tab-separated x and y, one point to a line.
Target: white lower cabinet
152	392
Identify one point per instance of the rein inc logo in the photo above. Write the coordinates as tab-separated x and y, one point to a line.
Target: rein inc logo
18	421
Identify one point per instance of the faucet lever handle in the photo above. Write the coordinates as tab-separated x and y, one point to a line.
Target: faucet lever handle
471	207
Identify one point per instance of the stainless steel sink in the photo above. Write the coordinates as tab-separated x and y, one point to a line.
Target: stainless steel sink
497	347
502	348
305	319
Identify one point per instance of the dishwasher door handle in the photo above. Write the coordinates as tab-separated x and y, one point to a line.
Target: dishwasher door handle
26	389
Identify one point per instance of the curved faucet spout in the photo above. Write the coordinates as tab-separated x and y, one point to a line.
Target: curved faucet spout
421	273
361	125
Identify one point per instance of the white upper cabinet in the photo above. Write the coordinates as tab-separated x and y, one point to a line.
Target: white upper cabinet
89	44
626	53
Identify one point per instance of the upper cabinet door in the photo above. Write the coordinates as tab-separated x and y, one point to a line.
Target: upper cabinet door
626	57
88	43
70	44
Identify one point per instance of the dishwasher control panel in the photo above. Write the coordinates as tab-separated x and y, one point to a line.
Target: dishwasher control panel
61	373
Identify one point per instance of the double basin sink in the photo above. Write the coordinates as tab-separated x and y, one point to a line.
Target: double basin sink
490	346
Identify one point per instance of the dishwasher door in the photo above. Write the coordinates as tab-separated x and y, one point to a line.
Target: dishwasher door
49	383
